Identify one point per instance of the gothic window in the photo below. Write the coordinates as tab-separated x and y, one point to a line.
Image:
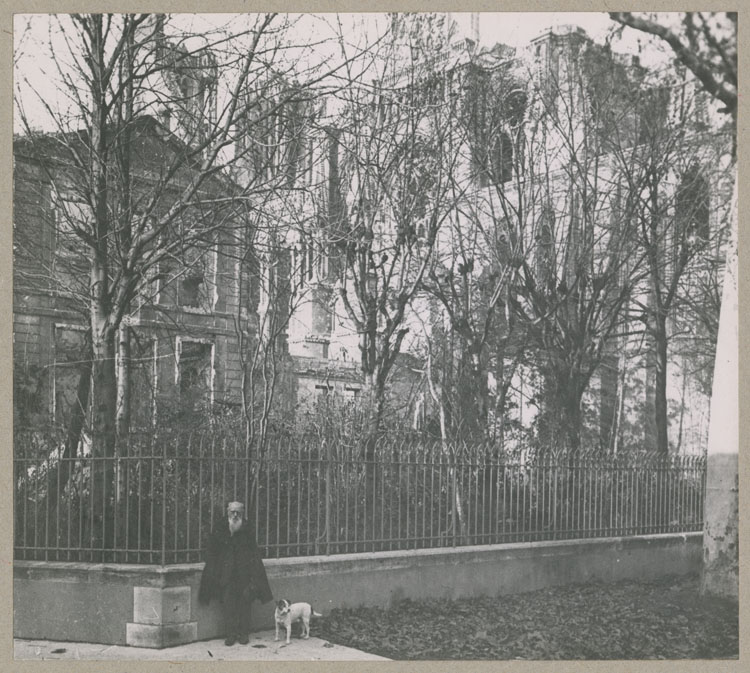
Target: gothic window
251	282
301	261
310	261
514	107
692	207
186	87
501	158
309	162
322	264
277	132
653	106
545	248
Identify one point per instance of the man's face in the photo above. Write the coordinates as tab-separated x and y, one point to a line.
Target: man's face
234	514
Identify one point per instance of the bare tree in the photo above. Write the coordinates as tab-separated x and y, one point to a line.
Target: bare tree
126	229
675	182
709	48
704	42
147	179
572	234
143	160
475	264
394	192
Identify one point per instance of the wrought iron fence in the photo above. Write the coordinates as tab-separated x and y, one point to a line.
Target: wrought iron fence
156	501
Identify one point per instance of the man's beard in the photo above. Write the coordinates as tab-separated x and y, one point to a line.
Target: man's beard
234	525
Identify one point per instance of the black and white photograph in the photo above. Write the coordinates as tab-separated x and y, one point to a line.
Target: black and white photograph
375	337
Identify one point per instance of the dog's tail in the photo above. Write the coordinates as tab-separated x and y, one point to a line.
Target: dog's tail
315	614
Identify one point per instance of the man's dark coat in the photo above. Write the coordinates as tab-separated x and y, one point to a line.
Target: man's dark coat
236	560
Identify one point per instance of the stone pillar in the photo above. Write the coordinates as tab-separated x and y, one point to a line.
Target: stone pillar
161	618
720	574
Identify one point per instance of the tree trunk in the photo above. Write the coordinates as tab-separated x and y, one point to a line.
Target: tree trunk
375	401
720	572
475	401
616	435
375	409
124	150
458	524
571	421
608	399
501	393
122	421
104	384
561	421
102	329
80	409
660	385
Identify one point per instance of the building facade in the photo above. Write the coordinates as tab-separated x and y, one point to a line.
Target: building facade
530	182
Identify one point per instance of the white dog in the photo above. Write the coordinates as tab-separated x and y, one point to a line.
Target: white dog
287	613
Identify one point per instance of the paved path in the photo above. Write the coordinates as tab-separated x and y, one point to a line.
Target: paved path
261	647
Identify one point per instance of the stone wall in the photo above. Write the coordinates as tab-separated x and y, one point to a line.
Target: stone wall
155	606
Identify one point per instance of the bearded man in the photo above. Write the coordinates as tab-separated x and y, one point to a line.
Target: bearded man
234	573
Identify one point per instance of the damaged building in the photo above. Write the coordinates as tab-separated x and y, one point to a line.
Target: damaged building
189	335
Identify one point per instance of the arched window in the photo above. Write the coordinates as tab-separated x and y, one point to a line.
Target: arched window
501	158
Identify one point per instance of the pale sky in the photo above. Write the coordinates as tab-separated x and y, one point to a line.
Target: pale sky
33	61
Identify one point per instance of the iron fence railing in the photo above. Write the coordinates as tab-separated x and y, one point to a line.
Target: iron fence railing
156	501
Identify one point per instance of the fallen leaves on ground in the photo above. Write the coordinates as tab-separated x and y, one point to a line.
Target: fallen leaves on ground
667	619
